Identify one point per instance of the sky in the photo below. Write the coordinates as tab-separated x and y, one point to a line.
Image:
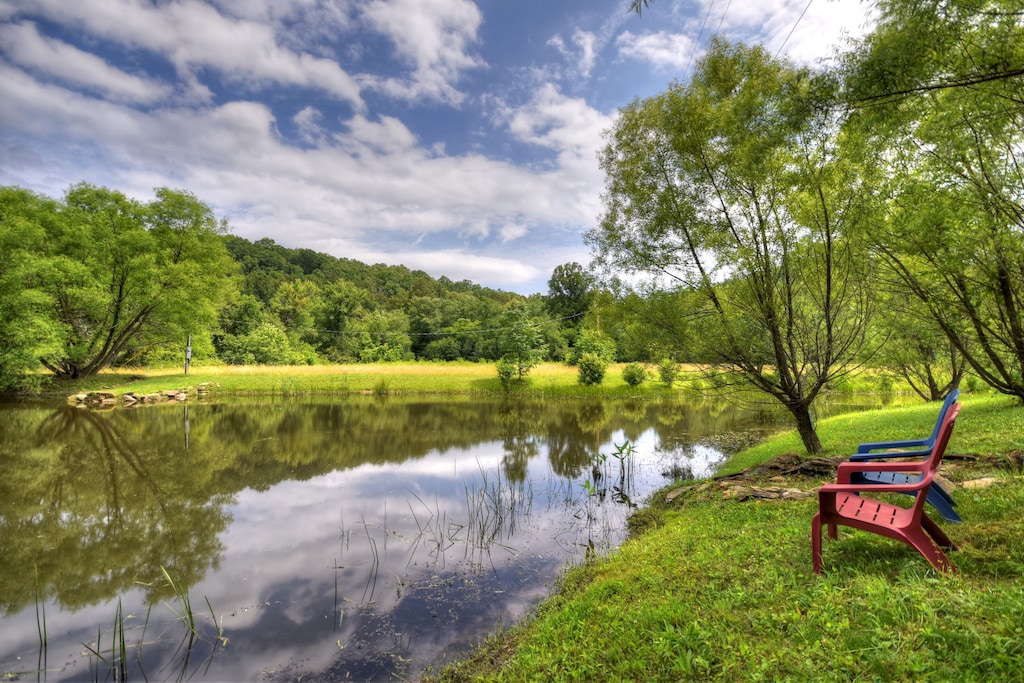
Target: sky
455	137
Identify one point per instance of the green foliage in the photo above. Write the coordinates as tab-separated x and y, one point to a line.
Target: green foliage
29	329
520	340
570	294
119	277
634	374
594	343
506	372
668	371
940	79
735	189
591	368
266	344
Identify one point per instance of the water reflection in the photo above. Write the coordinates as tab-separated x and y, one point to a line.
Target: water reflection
321	539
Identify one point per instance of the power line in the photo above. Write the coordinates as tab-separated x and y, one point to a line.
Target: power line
790	35
696	43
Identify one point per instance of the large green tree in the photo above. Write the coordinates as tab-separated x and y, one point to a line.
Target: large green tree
570	293
130	276
733	187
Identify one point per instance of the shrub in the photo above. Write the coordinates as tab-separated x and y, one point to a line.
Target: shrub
591	369
634	374
506	371
668	369
589	341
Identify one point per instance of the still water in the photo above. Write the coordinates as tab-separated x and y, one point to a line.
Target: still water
323	540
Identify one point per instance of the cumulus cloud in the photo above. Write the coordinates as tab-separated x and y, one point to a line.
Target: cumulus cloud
435	37
662	49
194	35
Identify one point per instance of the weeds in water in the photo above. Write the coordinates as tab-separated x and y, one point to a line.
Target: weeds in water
181	593
382	387
118	662
40	621
110	662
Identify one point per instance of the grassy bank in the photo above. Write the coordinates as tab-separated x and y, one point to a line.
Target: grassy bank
548	379
719	589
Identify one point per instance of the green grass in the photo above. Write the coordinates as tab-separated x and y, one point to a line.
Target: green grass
549	379
717	589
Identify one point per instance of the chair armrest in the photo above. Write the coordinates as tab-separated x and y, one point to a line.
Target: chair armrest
862	457
873	488
869	446
847	468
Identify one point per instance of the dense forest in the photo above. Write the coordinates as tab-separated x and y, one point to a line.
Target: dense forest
781	225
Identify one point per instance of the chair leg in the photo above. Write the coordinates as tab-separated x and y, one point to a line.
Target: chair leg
936	532
922	542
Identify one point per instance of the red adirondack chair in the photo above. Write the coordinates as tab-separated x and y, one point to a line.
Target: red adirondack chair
842	504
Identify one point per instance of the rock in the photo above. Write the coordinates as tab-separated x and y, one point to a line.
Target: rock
982	483
672	495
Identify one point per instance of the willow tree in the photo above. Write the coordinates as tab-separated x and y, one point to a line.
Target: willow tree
938	94
122	277
732	188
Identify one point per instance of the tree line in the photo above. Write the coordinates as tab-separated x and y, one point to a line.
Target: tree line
96	279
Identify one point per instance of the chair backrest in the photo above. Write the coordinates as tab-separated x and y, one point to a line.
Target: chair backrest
945	432
950	400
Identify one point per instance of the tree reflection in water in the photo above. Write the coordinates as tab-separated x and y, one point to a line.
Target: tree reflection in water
334	538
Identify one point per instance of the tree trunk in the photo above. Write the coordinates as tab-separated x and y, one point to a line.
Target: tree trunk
805	427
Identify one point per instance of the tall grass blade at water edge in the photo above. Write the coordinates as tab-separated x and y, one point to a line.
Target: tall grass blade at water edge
40	621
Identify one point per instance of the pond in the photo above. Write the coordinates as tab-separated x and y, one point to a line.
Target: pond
352	539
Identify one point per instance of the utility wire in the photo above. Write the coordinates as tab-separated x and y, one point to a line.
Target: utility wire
790	35
696	43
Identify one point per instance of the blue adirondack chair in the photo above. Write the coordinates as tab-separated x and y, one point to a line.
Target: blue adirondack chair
938	497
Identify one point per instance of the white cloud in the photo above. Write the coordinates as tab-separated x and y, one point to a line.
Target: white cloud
193	35
435	36
811	37
662	49
587	43
362	192
26	47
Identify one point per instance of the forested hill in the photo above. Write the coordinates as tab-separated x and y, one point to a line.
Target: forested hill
267	264
301	306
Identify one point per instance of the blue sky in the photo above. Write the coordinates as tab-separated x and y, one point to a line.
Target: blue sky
451	136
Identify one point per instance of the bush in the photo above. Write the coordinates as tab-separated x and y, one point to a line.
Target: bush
634	374
591	369
589	341
506	371
668	369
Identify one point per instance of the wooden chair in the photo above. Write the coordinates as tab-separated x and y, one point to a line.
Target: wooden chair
841	504
938	497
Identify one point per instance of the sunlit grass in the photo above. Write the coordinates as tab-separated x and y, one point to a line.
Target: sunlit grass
438	378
